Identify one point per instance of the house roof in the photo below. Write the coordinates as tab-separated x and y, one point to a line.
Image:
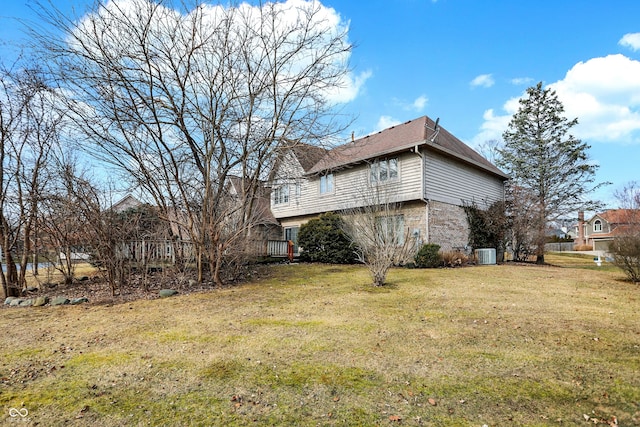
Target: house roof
308	155
400	138
620	216
127	202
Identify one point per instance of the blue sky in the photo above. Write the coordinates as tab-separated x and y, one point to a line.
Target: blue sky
468	61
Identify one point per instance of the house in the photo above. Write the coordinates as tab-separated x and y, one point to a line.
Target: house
126	203
418	165
602	228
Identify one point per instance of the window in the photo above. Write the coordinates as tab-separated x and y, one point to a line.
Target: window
281	194
391	229
326	184
597	225
384	170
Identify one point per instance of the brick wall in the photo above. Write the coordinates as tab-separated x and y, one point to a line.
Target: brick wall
448	226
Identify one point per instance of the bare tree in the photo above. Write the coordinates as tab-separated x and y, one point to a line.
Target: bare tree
375	225
626	245
29	129
181	100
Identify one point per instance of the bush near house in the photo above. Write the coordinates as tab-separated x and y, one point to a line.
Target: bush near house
428	256
454	258
323	240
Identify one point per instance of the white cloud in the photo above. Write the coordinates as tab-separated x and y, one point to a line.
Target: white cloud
631	40
483	80
518	81
420	102
386	122
350	88
603	93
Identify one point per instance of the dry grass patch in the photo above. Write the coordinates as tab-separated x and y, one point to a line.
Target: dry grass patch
317	345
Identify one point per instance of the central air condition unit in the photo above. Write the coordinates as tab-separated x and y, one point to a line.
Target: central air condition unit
486	256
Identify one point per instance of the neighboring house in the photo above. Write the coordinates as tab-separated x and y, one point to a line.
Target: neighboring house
127	202
602	228
417	164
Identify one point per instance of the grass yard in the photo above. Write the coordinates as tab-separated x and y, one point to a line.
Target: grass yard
317	345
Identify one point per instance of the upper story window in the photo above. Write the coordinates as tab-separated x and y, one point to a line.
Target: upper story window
281	194
384	170
326	184
597	225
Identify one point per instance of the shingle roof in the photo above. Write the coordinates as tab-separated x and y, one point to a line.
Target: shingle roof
400	138
620	216
308	155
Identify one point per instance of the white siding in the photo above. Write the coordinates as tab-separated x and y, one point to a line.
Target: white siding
450	181
352	188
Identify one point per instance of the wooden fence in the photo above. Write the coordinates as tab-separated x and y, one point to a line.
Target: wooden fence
153	252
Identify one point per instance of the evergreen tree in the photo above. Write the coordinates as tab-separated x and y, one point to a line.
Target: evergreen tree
546	162
323	240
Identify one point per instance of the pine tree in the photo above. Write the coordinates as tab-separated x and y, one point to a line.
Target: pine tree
546	162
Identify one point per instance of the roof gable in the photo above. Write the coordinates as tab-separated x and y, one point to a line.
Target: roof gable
399	138
618	216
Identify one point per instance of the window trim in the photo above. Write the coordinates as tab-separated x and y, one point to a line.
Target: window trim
281	195
597	226
389	166
329	184
392	227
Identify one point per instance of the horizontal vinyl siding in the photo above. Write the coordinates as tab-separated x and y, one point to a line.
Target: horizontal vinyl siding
352	188
450	181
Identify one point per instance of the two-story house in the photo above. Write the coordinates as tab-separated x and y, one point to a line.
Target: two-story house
602	228
417	165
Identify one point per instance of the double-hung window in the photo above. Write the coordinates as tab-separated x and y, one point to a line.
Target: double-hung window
281	195
326	184
384	170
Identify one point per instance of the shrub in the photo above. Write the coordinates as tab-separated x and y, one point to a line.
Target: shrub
454	258
323	240
626	256
428	256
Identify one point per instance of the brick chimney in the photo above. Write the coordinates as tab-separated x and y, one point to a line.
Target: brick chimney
581	240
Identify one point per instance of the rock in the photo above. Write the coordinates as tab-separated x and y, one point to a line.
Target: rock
26	303
167	292
8	300
83	278
40	301
32	289
15	302
80	300
192	283
60	301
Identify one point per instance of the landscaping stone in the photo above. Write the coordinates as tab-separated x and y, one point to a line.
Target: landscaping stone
8	300
40	301
15	302
192	283
60	301
26	303
80	300
167	292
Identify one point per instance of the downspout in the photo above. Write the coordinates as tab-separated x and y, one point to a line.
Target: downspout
426	201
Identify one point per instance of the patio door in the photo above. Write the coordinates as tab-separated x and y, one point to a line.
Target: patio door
291	233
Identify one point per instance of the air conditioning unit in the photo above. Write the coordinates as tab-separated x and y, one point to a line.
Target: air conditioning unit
486	256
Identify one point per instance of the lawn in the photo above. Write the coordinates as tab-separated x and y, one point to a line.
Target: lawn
317	345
